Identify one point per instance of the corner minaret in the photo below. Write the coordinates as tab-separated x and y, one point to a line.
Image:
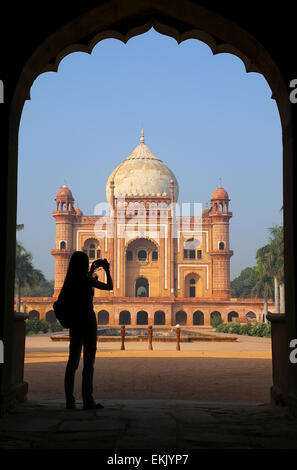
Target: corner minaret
65	216
219	215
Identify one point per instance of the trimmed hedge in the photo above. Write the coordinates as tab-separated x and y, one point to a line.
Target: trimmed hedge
35	327
250	329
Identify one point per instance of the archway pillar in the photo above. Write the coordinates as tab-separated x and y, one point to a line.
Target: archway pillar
150	317
111	316
168	316
206	317
133	314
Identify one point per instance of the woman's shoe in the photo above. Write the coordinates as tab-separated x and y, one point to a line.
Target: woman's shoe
92	406
70	405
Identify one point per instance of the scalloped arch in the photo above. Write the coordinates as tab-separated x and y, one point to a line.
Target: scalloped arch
193	273
216	46
141	238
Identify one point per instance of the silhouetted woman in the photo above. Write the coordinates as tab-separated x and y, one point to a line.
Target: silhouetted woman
78	292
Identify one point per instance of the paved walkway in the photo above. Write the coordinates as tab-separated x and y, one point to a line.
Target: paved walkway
149	424
206	396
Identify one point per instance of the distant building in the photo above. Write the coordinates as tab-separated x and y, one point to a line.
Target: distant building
167	268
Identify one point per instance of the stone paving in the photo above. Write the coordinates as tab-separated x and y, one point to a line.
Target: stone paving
206	396
149	424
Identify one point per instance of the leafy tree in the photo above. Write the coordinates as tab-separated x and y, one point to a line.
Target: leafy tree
25	273
241	286
263	283
276	255
45	288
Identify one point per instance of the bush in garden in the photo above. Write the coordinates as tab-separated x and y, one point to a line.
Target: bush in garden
222	328
234	328
36	326
56	326
246	329
216	320
256	329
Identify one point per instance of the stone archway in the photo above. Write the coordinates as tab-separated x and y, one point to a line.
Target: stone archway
215	318
103	317
232	315
251	316
181	317
34	315
50	316
125	318
142	318
159	317
198	318
181	20
142	287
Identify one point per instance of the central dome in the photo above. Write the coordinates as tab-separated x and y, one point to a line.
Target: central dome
141	174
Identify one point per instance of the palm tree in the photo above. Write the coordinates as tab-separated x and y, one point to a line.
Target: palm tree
262	286
264	270
25	273
276	256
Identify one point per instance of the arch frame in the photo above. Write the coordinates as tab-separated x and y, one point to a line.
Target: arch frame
146	281
181	20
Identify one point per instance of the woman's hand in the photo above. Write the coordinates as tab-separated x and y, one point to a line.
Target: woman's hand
105	264
93	267
99	263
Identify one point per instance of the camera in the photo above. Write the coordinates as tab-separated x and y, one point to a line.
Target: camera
101	263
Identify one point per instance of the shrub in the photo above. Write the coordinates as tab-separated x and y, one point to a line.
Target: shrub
256	329
222	328
234	328
215	321
30	333
41	326
56	326
246	329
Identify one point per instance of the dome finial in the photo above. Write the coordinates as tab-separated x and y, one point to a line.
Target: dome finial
142	136
220	182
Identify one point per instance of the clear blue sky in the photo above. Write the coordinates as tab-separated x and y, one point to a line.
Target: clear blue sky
203	115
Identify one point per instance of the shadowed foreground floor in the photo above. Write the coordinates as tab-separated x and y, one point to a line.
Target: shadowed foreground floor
206	396
148	424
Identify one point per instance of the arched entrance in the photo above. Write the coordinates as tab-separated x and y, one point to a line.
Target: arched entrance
34	315
251	316
50	316
181	21
142	318
124	318
215	318
159	318
198	318
141	261
103	317
232	315
141	287
181	318
191	285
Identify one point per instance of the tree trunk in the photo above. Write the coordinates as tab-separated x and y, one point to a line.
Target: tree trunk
18	297
265	310
282	298
276	295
